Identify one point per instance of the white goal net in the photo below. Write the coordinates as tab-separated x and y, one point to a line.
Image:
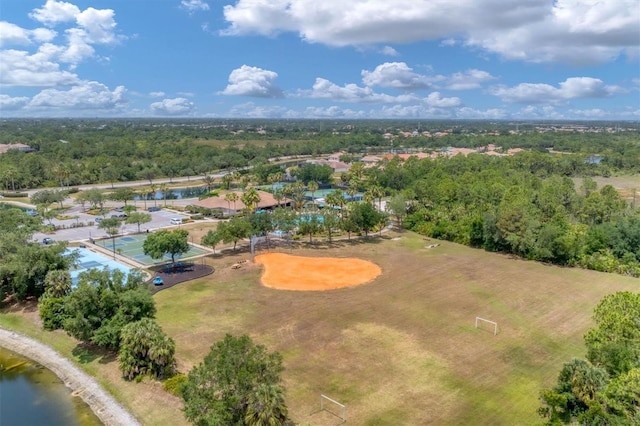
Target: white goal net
485	324
334	407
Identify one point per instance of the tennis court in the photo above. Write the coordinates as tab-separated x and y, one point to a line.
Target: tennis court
131	247
87	259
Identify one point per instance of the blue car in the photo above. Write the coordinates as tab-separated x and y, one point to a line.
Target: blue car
157	281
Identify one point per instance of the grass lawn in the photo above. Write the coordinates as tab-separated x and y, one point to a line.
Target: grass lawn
402	349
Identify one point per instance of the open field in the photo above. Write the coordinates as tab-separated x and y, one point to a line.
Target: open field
400	350
403	349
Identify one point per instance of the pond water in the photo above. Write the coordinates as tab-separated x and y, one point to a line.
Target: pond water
31	395
174	194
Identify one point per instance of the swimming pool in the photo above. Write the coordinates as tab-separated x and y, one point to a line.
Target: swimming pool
88	259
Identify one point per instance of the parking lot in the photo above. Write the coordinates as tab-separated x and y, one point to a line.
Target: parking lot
83	226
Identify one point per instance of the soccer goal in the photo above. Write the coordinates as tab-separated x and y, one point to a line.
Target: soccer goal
333	407
485	324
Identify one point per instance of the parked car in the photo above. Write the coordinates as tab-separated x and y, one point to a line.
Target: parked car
153	209
176	221
98	219
158	281
47	240
119	216
32	213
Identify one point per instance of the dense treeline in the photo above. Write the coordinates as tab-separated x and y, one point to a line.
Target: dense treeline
527	205
75	152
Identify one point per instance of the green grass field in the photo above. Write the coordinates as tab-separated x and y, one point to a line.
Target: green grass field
402	350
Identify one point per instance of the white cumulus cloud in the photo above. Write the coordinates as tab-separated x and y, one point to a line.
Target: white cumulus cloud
55	12
8	103
194	5
88	95
325	89
571	88
12	34
397	75
253	81
175	106
470	79
436	100
19	68
570	31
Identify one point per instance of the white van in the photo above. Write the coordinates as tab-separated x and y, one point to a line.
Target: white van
176	221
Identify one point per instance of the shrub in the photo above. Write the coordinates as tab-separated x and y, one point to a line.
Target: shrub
51	310
9	194
174	384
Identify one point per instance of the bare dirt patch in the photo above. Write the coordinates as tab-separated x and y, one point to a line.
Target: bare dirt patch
287	272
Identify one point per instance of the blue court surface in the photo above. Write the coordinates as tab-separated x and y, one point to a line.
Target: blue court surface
88	259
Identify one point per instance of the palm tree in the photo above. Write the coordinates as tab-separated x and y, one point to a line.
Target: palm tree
164	188
153	188
57	283
278	194
295	192
227	180
377	193
208	180
236	177
266	406
141	193
231	197
251	198
312	186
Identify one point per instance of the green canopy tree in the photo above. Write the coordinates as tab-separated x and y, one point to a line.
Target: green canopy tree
103	302
163	242
615	341
211	239
234	230
138	218
237	380
365	216
124	194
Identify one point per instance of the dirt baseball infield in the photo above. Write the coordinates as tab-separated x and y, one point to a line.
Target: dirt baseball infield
286	272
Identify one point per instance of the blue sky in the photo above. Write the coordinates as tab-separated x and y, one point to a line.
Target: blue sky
420	59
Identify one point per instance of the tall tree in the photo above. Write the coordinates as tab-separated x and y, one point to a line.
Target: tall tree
250	198
231	197
234	230
164	242
138	218
146	350
312	186
222	389
211	239
615	341
365	217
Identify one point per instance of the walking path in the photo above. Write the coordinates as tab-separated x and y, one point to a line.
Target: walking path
107	409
